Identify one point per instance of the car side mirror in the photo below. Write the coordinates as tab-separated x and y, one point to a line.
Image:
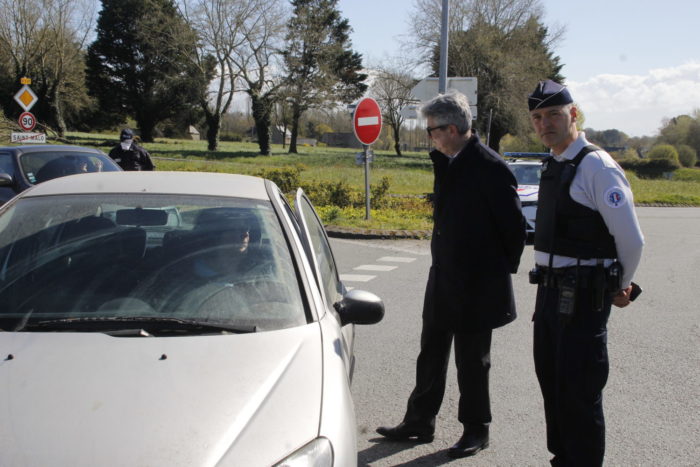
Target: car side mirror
5	179
360	307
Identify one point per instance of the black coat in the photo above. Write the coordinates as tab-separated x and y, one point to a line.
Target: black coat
134	158
478	237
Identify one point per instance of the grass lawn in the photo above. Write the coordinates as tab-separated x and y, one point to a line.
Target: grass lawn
410	175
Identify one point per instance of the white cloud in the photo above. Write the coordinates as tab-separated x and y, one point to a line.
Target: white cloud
637	104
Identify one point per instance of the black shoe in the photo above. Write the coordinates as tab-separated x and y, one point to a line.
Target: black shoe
408	431
474	439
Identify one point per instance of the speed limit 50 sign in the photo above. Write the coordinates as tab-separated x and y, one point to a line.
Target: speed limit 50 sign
27	121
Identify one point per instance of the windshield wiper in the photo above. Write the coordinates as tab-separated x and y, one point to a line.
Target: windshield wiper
147	325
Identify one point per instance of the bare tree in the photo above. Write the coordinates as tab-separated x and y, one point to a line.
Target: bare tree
45	40
392	89
218	23
257	60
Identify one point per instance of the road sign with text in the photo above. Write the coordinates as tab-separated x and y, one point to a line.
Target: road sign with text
367	121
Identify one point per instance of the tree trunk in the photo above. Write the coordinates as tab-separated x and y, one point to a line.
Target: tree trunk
397	139
213	126
146	126
261	115
57	109
296	115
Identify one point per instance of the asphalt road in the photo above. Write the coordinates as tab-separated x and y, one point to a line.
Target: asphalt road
652	399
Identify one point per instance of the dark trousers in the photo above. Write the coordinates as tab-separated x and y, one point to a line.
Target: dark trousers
571	362
473	360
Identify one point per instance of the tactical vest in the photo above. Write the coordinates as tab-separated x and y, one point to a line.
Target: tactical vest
563	226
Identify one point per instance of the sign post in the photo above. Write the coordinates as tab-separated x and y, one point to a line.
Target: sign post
367	125
26	99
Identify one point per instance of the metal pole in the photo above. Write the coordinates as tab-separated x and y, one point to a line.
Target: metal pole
366	159
488	130
444	39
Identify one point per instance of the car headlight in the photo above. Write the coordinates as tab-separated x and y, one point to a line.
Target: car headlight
318	453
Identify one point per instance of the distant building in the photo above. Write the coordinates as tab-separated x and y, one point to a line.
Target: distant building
193	133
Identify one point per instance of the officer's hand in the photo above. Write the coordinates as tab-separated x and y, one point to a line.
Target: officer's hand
622	298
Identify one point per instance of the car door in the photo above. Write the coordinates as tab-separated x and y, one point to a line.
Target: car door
318	249
7	166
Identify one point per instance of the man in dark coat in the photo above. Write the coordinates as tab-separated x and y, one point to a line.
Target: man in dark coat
478	237
129	155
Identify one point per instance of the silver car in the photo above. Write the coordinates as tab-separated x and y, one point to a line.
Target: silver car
527	168
173	319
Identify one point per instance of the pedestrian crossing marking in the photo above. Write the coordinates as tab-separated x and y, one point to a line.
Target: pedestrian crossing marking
396	259
374	267
356	278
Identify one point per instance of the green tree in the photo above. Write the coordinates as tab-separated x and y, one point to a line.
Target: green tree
321	66
507	63
683	129
687	156
663	152
139	64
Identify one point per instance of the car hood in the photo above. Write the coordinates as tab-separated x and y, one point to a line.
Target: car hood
90	399
528	192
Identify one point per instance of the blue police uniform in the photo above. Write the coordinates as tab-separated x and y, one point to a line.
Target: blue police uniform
586	226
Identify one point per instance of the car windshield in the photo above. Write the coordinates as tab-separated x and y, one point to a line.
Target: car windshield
77	262
526	174
41	166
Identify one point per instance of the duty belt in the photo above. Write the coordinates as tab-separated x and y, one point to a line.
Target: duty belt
585	275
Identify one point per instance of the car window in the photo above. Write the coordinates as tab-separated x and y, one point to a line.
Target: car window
42	166
6	164
320	251
214	260
526	174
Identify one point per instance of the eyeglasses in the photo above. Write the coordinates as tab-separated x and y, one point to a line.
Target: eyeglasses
439	127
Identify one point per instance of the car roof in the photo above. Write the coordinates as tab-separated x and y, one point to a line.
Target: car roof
179	183
52	147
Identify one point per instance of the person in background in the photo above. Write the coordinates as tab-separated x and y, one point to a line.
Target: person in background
478	237
588	245
129	155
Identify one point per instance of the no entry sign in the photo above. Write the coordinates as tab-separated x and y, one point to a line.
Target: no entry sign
367	121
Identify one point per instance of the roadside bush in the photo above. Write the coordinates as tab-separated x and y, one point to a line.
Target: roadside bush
379	193
340	194
286	178
664	152
687	156
650	168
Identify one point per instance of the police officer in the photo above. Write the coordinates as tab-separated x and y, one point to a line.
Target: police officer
588	245
129	155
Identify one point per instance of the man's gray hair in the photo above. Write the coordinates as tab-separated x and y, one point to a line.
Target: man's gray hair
451	108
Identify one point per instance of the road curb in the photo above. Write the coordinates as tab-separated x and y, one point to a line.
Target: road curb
348	232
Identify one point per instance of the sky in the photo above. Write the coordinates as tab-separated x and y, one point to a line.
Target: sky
628	64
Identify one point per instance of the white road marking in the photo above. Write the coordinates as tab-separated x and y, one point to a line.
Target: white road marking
374	267
396	259
356	278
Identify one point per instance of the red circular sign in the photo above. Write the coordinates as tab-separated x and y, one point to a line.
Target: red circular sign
367	121
27	121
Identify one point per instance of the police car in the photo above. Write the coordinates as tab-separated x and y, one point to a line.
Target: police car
527	167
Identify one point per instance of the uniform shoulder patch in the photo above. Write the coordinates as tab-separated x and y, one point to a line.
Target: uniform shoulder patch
615	197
